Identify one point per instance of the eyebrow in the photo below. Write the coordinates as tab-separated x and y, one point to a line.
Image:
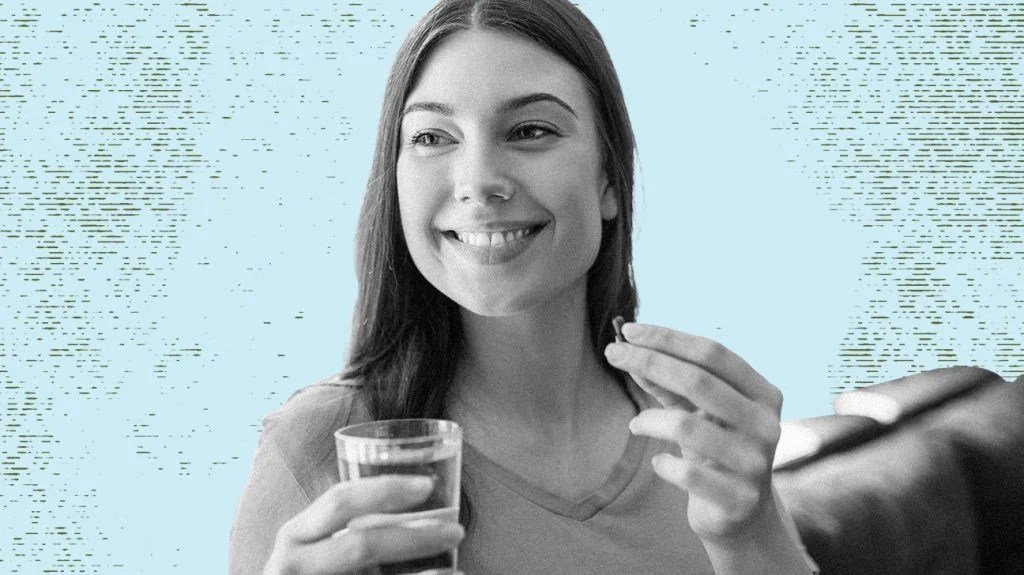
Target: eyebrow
507	106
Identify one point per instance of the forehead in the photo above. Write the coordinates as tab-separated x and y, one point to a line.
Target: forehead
474	69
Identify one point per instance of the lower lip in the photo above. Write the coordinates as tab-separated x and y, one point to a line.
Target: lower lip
493	255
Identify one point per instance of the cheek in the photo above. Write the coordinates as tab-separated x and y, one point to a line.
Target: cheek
579	228
415	201
420	199
591	232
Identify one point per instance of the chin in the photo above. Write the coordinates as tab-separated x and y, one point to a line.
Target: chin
506	302
499	306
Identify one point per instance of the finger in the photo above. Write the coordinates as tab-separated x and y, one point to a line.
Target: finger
732	496
704	440
708	354
668	399
665	397
332	511
701	387
358	548
372	520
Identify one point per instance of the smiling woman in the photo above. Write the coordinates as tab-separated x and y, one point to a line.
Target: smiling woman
494	250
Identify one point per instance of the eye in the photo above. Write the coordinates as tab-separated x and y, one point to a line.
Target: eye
429	139
532	132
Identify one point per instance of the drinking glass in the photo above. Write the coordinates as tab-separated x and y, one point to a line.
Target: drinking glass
430	447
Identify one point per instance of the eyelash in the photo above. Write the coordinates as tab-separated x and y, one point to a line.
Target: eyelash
544	128
416	138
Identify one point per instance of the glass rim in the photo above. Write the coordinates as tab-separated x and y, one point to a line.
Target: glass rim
454	430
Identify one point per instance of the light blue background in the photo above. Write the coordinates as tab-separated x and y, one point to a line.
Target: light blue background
832	191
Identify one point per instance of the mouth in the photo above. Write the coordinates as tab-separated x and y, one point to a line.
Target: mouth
493	239
495	246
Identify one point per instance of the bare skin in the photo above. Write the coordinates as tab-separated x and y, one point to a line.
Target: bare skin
532	396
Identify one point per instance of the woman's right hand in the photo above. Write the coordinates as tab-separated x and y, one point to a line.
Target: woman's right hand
319	539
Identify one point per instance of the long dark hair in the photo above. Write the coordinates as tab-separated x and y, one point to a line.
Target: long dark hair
407	336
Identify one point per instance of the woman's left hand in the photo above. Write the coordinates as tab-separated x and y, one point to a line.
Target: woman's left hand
723	415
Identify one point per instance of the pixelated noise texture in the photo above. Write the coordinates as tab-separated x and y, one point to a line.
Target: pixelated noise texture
150	155
918	110
155	288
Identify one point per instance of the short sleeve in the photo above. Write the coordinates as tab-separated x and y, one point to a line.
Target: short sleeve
294	463
270	498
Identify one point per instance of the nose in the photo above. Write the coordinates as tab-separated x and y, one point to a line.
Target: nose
482	175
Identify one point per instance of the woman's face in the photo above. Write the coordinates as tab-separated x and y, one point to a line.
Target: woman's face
501	183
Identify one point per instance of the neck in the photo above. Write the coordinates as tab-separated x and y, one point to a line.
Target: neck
536	370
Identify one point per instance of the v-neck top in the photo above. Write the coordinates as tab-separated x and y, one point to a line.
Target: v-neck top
634	522
634	454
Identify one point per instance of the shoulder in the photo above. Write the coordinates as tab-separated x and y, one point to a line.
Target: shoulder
294	463
315	410
301	431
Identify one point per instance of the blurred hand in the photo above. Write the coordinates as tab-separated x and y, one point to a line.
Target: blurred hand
722	414
347	529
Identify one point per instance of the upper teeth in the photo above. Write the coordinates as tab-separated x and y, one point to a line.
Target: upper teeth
484	239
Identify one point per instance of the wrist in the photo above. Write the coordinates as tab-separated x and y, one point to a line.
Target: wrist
764	546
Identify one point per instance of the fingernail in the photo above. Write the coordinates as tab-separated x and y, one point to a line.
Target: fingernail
422	483
632	425
452	531
426	523
629	330
656	462
614	352
442	529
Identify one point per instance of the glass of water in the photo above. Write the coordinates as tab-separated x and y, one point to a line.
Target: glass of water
430	447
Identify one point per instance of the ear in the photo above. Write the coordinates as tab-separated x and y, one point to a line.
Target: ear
609	203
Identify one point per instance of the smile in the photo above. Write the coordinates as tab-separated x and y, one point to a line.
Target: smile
493	239
493	247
